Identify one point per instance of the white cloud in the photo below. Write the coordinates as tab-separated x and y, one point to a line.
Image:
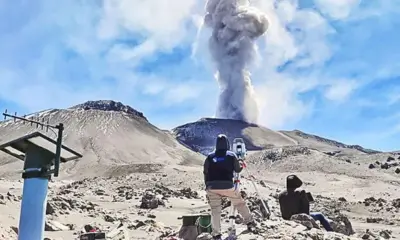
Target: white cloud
91	30
303	39
393	96
340	90
172	93
183	92
337	9
307	46
280	103
162	25
281	45
157	18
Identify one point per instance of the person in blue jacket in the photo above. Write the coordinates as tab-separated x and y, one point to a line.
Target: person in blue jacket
219	168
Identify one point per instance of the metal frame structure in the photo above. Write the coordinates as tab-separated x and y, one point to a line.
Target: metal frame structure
35	150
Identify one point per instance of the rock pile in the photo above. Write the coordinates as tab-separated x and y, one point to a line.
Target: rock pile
9	197
152	198
374	202
380	204
150	225
276	154
396	203
8	233
256	206
391	162
68	188
341	224
305	220
151	201
52	226
384	211
330	207
64	205
125	193
182	193
383	234
295	229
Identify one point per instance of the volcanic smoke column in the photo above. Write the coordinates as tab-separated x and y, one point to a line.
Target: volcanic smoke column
235	26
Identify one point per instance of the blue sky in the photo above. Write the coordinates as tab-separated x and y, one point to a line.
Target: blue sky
328	67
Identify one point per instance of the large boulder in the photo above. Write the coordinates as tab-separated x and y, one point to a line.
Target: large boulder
55	226
305	220
342	224
150	201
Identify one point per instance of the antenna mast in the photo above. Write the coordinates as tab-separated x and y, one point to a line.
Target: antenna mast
43	124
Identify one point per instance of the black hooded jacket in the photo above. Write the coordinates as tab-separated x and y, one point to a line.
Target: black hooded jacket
293	201
220	165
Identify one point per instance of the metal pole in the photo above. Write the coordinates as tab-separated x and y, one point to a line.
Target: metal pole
58	149
36	175
33	209
241	152
34	195
266	207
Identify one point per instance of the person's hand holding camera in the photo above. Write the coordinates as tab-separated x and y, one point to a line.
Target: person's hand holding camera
242	163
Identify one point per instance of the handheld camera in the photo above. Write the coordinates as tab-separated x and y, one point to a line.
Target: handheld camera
239	147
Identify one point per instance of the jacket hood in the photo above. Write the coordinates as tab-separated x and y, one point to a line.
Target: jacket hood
293	182
222	143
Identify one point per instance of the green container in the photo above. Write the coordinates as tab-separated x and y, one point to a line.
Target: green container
204	224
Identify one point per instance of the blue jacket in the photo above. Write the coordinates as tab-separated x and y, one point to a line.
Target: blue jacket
220	165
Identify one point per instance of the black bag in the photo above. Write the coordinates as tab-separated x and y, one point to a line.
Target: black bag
93	236
310	197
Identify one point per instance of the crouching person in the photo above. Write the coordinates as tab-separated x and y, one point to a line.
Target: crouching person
218	175
294	202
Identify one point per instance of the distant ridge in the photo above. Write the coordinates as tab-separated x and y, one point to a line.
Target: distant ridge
200	136
305	139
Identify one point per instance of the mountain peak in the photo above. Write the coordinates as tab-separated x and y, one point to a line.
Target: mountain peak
200	135
109	105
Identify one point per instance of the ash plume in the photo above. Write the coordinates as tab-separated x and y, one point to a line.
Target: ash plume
235	27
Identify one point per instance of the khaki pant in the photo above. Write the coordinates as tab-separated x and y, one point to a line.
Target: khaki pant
215	198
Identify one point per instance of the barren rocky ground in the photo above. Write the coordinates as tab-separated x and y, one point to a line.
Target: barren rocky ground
139	178
371	203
